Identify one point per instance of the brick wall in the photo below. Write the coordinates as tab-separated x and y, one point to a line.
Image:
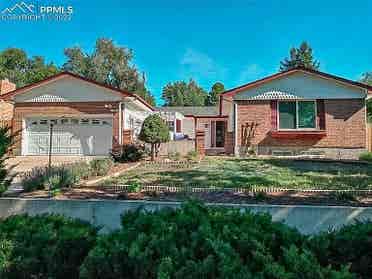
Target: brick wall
127	136
24	110
6	86
229	143
344	121
6	111
199	142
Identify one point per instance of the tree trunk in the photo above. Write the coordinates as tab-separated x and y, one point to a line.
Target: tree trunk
157	149
152	152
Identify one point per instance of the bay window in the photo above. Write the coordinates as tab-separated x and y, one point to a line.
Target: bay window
297	115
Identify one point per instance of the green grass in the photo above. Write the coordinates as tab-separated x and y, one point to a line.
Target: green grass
230	172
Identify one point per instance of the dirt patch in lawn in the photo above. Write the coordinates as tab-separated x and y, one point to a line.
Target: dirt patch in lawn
285	198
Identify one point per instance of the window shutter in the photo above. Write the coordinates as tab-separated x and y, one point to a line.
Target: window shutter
274	115
321	114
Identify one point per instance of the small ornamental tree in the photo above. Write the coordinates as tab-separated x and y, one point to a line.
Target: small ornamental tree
5	142
154	131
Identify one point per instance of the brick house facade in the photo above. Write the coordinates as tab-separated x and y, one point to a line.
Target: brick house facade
258	110
292	112
88	118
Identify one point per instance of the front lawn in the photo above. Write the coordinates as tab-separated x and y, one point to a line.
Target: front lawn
231	172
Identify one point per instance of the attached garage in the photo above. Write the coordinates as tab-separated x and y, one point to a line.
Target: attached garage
70	136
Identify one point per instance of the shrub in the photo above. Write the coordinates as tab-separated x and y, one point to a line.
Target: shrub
350	245
366	156
57	177
174	156
99	167
261	196
192	156
48	246
5	142
129	153
80	170
134	187
344	196
43	178
200	242
154	131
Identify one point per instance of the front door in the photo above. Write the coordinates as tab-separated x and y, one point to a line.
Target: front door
220	133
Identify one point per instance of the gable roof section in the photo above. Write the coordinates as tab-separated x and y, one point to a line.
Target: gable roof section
10	95
232	92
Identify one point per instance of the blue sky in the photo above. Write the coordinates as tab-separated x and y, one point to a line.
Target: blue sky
229	41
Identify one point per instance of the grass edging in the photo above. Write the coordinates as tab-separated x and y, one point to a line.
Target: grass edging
191	189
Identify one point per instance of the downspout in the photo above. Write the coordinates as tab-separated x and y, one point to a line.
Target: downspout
366	121
120	124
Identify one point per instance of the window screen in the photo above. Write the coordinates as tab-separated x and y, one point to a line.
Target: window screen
306	114
287	115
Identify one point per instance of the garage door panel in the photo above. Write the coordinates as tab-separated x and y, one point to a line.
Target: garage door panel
88	138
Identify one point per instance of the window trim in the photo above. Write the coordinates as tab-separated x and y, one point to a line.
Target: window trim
316	128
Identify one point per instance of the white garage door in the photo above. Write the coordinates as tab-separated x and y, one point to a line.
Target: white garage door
71	136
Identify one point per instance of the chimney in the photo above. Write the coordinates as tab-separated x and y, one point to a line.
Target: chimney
6	86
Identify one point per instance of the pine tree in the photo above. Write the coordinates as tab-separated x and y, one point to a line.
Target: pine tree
300	57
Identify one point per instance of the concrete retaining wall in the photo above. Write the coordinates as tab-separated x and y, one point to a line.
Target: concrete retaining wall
307	219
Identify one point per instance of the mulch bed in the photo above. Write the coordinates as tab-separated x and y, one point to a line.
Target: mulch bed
279	198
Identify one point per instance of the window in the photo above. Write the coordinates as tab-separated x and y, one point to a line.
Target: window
64	121
84	121
96	122
297	115
74	121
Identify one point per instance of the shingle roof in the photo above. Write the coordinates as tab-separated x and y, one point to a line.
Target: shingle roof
196	111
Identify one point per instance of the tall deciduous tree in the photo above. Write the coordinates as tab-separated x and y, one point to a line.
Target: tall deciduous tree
216	90
367	79
180	93
154	131
23	70
300	57
109	64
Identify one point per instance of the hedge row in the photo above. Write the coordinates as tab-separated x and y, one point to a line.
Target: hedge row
194	241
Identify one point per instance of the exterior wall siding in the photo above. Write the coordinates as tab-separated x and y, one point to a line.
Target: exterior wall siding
344	122
25	110
306	86
68	89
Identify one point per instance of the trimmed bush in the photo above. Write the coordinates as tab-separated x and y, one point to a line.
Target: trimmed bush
42	178
351	245
99	167
64	176
200	242
192	156
366	156
129	153
48	246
